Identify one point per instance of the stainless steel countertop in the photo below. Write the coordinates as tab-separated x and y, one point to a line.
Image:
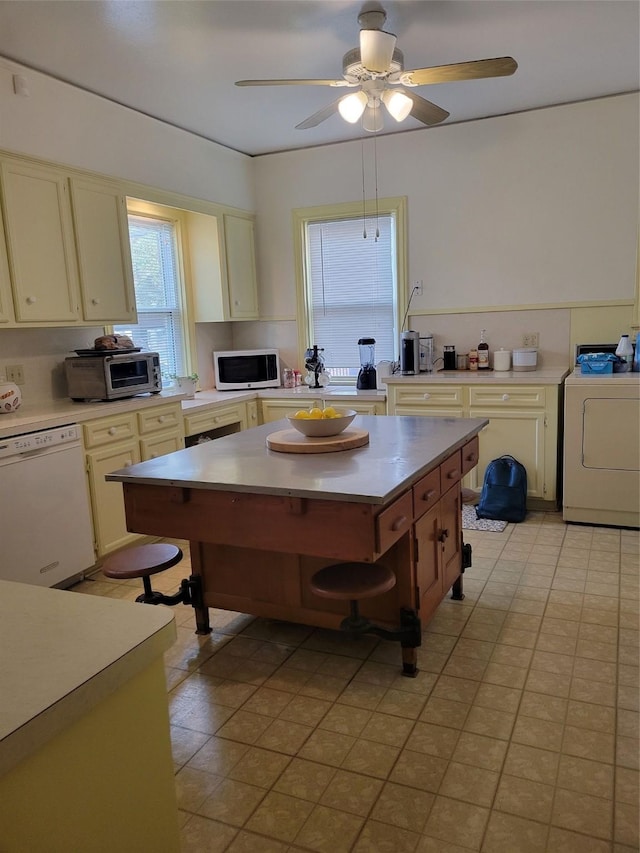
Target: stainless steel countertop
400	449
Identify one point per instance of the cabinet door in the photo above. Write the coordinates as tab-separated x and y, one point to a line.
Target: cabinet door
274	410
521	434
6	301
240	253
451	536
429	563
252	414
107	503
40	242
104	254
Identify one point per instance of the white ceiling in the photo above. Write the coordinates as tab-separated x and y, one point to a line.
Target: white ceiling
177	60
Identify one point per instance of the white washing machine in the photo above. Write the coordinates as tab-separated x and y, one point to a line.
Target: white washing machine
602	449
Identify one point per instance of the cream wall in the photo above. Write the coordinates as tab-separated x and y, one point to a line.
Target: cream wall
538	209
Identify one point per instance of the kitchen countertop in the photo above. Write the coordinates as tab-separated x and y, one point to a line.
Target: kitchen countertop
541	376
34	416
399	450
62	654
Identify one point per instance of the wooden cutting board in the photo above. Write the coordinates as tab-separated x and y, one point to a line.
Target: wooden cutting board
292	441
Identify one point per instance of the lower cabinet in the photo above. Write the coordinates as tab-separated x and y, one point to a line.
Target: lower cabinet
438	532
118	441
219	421
523	422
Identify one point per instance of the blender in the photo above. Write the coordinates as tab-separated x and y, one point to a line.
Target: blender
367	375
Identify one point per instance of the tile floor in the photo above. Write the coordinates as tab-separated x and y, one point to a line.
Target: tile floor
520	733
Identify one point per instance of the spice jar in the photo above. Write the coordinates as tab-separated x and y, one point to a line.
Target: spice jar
473	359
289	378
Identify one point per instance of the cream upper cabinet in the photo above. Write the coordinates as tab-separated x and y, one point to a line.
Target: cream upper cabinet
239	244
103	251
40	242
6	300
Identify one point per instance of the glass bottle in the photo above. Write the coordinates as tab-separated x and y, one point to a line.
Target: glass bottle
483	351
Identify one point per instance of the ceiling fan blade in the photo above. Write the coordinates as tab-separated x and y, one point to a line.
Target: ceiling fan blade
294	83
376	50
321	115
424	110
475	70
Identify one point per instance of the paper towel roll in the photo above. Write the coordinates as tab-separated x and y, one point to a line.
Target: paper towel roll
502	359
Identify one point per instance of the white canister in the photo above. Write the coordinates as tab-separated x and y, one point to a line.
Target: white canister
502	359
525	359
383	369
10	397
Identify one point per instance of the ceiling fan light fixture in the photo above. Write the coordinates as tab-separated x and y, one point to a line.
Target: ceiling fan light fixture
352	106
376	50
397	103
372	118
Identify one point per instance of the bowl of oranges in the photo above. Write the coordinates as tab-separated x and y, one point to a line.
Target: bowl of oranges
316	422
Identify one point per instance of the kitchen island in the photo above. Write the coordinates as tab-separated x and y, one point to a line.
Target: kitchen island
262	522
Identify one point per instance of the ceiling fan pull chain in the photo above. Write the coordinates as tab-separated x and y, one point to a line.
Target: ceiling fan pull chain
375	161
364	204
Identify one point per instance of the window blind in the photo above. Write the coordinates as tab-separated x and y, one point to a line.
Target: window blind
352	289
158	295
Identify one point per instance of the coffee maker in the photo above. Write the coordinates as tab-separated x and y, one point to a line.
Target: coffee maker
409	353
367	378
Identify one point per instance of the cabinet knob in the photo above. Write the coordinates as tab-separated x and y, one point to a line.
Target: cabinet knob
426	396
31	300
216	419
505	396
153	456
453	475
162	419
112	430
444	535
95	301
429	494
128	463
399	522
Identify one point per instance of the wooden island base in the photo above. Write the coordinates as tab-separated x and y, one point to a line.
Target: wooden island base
285	540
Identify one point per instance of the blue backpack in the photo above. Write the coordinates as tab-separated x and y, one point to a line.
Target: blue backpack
504	491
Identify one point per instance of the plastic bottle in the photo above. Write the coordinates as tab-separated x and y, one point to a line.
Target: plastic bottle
624	351
636	357
483	352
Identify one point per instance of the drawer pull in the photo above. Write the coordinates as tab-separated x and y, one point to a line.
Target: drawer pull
162	419
31	300
472	457
444	535
112	430
95	301
426	396
429	494
453	475
399	523
505	396
128	463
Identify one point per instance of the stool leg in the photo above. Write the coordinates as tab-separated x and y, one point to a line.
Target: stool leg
147	586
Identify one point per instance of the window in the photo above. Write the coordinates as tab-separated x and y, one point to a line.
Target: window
350	286
160	327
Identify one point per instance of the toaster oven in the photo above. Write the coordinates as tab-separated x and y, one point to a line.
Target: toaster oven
112	376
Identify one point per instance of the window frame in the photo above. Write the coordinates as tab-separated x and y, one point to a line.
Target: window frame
395	206
164	213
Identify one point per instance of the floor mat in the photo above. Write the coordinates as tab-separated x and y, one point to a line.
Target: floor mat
470	522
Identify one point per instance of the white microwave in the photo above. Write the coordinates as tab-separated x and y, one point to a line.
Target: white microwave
250	368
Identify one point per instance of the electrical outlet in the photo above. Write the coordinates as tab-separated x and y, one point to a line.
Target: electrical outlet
417	287
531	339
15	373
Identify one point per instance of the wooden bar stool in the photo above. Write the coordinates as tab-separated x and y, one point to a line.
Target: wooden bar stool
142	561
353	581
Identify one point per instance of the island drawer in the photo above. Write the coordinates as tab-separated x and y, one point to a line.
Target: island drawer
159	417
426	493
394	522
470	455
106	430
451	471
508	395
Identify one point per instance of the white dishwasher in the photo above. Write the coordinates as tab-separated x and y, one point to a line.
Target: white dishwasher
46	534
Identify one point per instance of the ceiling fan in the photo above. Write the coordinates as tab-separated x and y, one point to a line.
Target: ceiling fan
376	70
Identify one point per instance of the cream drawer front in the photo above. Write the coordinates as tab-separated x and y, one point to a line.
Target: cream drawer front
508	395
215	418
106	430
430	395
159	417
159	445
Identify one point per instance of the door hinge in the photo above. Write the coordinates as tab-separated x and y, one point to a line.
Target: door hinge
417	598
417	550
